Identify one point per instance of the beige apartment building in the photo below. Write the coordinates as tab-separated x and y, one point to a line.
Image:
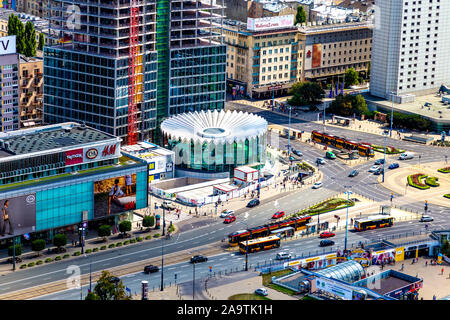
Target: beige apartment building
261	63
331	49
30	91
34	7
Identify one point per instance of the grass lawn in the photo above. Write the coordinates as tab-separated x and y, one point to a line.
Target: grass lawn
247	296
267	278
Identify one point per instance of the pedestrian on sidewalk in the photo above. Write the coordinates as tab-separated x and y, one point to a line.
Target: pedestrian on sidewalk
442	271
426	263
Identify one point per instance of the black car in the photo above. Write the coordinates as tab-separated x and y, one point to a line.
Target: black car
114	280
379	161
150	269
252	203
326	243
196	259
378	172
353	173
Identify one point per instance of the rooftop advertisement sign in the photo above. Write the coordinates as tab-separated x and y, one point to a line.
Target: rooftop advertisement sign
270	23
7	45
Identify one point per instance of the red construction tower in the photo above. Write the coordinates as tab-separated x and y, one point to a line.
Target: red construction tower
133	46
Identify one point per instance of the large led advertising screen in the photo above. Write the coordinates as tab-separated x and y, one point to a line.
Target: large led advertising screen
115	195
17	215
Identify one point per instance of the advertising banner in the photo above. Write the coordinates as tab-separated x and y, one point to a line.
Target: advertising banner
115	195
335	288
74	157
17	215
383	256
270	23
97	153
316	55
7	45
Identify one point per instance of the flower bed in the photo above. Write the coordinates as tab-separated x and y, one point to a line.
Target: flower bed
327	206
305	166
431	181
444	170
447	195
414	180
389	149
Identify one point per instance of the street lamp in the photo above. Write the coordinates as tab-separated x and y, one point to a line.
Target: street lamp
246	246
289	132
392	113
162	264
348	193
385	148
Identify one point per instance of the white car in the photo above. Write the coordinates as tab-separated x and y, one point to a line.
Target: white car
317	185
168	205
283	255
374	168
226	213
426	218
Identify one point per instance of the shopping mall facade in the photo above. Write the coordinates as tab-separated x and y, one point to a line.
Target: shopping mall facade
55	177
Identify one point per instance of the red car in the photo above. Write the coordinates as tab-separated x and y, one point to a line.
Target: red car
229	219
278	215
327	234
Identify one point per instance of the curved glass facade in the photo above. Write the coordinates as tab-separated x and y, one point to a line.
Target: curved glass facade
349	271
219	157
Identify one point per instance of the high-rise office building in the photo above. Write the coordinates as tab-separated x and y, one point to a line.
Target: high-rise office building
9	84
179	66
410	48
191	57
86	76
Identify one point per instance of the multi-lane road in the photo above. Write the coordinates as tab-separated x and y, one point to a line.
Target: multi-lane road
335	181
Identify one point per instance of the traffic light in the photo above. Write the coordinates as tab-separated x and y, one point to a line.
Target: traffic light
426	205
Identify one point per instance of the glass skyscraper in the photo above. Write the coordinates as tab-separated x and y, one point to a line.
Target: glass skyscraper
180	65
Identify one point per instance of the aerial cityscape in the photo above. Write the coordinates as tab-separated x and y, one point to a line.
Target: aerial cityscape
231	150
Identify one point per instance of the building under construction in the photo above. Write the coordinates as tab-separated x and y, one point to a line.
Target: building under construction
122	66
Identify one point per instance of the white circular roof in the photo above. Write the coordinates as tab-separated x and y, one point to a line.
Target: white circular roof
214	126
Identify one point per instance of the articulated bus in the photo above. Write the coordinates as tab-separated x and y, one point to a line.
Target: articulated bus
298	223
259	244
364	149
373	222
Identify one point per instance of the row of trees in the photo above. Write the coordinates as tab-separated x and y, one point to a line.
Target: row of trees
348	105
25	36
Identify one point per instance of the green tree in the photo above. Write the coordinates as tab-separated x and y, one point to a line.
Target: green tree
92	296
306	93
148	221
41	41
104	231
16	28
445	248
348	105
18	250
351	77
359	105
125	226
30	40
38	245
300	16
107	289
59	241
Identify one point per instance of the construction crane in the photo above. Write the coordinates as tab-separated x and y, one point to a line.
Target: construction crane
133	51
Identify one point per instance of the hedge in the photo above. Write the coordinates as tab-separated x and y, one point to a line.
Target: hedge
103	248
126	242
444	170
112	245
66	256
48	260
447	195
23	266
389	149
148	237
31	264
156	235
132	240
88	251
95	250
327	206
57	258
77	253
39	262
118	244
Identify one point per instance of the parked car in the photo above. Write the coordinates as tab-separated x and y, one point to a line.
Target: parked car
229	219
291	158
406	156
114	280
374	168
297	152
379	161
394	165
150	269
320	161
426	219
226	213
378	171
326	242
283	255
327	234
198	258
317	185
261	292
353	173
253	203
330	155
278	215
168	205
